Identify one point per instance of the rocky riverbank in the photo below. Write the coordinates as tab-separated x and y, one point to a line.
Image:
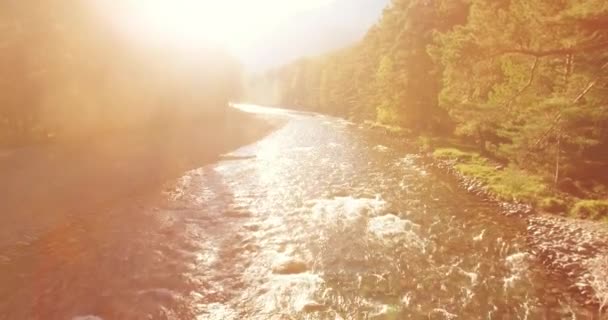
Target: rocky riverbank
570	248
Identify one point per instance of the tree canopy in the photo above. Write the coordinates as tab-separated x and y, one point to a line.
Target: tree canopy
525	80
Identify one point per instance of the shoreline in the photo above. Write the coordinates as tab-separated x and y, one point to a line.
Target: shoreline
569	248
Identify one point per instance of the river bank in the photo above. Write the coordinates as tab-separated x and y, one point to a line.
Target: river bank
568	246
49	183
567	234
319	220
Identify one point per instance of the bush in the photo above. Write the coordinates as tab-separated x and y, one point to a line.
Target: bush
552	205
590	209
424	143
515	184
455	154
506	184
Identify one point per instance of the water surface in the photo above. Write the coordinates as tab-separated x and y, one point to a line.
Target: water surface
320	220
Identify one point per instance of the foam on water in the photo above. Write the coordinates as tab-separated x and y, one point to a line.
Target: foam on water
518	266
479	237
87	317
380	148
217	311
390	228
287	293
346	208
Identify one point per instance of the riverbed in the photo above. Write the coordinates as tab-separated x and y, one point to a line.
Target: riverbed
322	219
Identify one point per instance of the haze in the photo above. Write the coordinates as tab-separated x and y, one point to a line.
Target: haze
261	34
303	159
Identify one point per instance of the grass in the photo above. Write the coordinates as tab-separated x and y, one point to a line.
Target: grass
388	128
514	184
553	205
590	209
456	154
505	183
392	312
508	184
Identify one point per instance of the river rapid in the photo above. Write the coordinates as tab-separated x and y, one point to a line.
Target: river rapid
322	219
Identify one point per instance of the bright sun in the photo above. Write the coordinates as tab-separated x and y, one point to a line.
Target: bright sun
233	24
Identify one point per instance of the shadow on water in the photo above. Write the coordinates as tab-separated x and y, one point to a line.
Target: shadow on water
151	259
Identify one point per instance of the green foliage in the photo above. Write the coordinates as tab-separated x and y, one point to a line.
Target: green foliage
524	81
552	205
388	77
392	312
518	185
425	143
590	209
513	82
456	154
509	184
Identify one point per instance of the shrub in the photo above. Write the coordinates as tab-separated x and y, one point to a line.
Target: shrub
515	184
424	143
455	154
591	209
552	205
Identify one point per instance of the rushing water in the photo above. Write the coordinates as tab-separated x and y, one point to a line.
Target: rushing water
320	220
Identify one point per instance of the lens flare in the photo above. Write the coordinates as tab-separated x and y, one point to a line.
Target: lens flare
232	24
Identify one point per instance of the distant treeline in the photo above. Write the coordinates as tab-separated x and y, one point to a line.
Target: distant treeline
525	80
64	72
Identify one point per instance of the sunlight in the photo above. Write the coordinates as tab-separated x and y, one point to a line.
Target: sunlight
232	24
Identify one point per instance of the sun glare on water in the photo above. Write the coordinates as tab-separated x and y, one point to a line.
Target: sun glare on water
232	24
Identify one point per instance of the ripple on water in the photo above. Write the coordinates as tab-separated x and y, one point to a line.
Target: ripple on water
87	317
348	208
390	228
518	264
291	293
217	311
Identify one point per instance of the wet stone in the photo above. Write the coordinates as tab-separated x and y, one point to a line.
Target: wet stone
289	266
313	306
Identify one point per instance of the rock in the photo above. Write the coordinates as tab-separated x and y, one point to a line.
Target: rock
313	306
289	266
252	227
4	259
87	317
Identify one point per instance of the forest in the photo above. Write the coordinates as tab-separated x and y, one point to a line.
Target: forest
67	74
521	83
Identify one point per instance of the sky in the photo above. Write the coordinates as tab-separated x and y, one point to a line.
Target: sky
261	33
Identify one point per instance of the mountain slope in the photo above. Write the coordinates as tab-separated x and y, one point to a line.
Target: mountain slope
314	32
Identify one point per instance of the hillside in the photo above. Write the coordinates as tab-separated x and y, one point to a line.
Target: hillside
314	32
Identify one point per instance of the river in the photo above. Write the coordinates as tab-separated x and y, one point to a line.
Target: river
322	219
